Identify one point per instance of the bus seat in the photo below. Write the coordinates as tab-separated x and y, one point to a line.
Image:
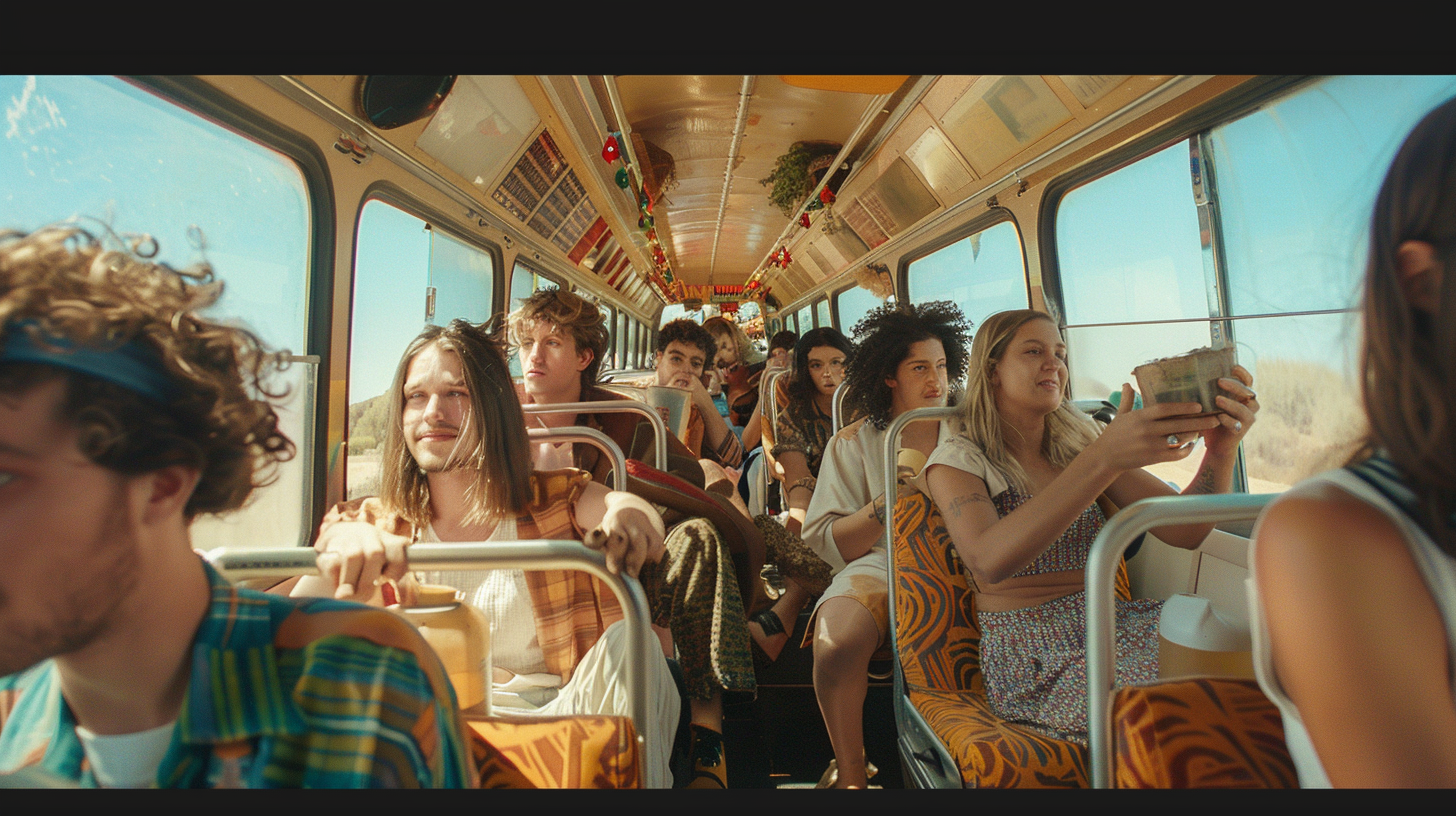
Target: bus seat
937	646
1207	732
555	752
566	751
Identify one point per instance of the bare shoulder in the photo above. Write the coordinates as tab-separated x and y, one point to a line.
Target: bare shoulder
1320	524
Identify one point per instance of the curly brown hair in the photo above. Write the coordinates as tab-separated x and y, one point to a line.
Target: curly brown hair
881	341
61	285
572	315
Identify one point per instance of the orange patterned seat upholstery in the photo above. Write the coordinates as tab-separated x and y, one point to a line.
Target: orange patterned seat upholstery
556	752
938	646
1199	733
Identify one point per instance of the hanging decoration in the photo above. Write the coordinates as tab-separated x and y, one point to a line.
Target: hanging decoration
612	150
816	204
804	220
622	180
826	195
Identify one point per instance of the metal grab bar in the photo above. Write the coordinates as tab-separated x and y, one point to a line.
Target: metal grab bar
909	722
771	403
836	411
238	563
613	407
1119	531
577	433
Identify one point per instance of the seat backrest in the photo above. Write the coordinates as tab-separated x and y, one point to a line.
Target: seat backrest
570	751
936	638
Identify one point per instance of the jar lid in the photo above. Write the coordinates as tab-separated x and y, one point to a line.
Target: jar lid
437	595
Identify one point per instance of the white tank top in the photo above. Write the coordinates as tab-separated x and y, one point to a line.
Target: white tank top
506	601
1437	568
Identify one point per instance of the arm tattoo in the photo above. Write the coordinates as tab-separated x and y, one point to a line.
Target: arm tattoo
1202	482
961	501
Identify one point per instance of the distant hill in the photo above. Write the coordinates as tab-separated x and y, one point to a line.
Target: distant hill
367	421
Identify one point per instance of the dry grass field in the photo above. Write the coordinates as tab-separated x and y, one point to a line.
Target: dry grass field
1310	421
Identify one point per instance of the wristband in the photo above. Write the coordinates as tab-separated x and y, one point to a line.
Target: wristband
877	509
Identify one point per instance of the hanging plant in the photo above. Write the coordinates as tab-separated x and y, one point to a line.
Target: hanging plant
792	179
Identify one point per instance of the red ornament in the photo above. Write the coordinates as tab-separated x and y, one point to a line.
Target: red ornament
787	259
826	195
804	220
611	151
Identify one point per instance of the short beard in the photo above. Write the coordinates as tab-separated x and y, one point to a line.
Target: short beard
79	611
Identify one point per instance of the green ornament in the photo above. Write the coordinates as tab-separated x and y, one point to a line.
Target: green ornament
622	177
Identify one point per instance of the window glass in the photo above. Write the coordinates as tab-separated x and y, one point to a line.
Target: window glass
821	313
1128	246
463	277
982	273
1292	184
854	304
805	319
397	259
125	160
1296	181
1128	250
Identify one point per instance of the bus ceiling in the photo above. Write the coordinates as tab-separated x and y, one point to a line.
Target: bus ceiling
656	189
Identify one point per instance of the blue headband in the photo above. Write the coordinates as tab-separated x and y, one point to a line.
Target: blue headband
131	366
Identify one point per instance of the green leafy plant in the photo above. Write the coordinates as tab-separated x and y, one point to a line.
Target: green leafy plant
793	176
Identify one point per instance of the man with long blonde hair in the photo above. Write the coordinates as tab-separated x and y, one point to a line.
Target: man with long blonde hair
456	469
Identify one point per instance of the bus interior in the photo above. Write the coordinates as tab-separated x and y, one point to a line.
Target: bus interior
1148	214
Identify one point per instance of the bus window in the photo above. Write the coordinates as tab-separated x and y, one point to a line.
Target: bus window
1261	245
853	304
1295	183
983	273
104	149
805	319
463	279
822	316
1131	266
406	275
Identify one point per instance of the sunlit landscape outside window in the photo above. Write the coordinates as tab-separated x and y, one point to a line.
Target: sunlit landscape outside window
126	161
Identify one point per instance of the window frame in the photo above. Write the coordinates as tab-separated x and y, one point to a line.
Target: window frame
193	95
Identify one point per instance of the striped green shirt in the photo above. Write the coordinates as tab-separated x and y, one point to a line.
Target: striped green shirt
284	692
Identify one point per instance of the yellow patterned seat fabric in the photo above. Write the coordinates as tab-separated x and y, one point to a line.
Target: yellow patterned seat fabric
1199	733
938	646
556	752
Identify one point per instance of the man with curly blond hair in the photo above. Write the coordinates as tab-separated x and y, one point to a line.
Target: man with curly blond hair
125	659
560	338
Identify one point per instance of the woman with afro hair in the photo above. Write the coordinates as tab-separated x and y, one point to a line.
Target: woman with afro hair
907	357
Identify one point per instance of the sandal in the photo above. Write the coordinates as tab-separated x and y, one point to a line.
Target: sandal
769	621
831	774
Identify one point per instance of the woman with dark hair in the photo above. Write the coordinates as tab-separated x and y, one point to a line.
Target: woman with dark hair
906	357
1019	492
1353	592
803	429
